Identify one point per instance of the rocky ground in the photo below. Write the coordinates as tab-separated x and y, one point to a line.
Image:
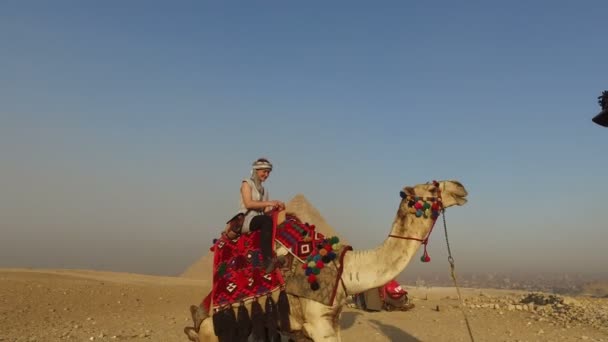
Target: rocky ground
73	305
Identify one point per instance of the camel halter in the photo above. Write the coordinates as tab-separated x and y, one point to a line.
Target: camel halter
416	205
427	207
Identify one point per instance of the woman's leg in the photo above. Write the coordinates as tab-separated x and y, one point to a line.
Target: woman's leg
264	224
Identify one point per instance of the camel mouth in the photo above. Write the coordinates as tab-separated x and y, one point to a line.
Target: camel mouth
460	200
460	194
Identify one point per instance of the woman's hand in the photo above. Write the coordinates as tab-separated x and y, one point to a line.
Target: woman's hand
278	205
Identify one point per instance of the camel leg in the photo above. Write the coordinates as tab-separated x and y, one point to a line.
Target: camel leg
321	321
206	332
321	330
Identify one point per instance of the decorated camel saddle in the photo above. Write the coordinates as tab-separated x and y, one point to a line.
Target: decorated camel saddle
310	266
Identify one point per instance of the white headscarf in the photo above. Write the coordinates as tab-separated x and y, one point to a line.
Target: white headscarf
260	164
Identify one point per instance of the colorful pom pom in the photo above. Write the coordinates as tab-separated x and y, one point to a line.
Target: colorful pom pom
314	286
418	213
425	256
312	264
312	278
316	271
320	264
323	252
418	205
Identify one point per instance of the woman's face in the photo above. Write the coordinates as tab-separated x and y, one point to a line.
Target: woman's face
263	174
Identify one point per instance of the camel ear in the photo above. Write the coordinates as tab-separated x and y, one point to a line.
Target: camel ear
409	191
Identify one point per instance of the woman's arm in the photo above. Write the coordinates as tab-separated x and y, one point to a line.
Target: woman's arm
250	203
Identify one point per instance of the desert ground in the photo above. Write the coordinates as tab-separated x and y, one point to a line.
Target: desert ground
85	305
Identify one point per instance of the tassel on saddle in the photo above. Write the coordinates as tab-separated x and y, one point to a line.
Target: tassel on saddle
224	322
243	323
283	306
272	315
257	321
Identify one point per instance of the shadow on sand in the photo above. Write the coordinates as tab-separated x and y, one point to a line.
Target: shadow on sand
395	334
348	319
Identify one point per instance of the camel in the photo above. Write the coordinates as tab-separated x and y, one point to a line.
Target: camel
365	269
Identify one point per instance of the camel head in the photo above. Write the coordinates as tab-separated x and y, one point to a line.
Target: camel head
451	192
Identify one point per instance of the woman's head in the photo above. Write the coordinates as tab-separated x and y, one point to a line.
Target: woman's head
261	169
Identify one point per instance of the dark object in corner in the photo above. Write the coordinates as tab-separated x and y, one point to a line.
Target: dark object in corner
602	118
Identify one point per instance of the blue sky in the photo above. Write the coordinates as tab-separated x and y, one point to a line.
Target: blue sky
126	127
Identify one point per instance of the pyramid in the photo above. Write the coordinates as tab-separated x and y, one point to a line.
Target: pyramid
298	206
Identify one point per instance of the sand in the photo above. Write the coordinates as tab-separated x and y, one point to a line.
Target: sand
86	305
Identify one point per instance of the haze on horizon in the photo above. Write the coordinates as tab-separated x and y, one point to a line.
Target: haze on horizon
125	128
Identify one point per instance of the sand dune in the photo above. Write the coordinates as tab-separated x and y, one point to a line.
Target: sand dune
85	305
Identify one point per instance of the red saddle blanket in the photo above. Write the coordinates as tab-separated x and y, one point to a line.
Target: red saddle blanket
300	238
238	274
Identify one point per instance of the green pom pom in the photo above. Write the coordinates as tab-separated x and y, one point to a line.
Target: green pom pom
316	271
426	205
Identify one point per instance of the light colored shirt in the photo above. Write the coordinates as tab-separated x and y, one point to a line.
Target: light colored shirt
256	196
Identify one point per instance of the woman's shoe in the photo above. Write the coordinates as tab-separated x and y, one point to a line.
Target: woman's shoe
269	265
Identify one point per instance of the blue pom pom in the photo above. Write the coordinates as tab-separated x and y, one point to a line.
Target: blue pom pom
308	271
418	213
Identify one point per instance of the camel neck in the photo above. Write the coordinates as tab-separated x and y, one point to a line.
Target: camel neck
367	269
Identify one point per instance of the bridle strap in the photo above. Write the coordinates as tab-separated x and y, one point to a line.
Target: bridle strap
406	237
426	239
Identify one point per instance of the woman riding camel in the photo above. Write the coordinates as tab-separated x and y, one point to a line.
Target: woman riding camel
255	205
252	215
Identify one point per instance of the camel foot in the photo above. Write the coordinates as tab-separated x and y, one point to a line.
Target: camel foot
192	335
198	315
